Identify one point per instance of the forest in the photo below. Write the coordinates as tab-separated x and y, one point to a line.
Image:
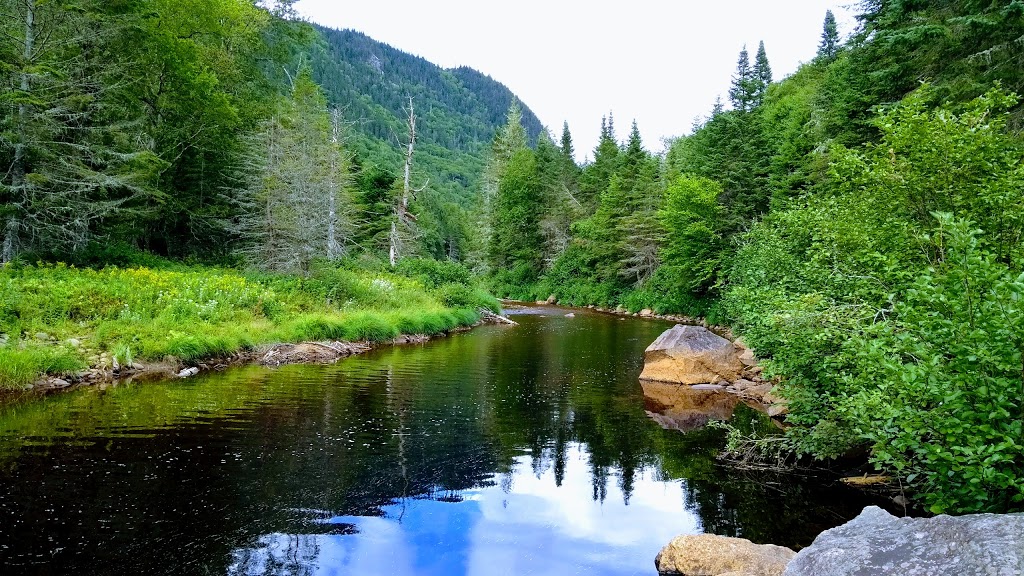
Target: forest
857	222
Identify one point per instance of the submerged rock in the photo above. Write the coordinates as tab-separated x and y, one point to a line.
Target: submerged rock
710	555
691	355
877	542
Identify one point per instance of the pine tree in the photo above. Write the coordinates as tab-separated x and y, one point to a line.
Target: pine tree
68	157
829	46
762	76
597	175
566	147
742	91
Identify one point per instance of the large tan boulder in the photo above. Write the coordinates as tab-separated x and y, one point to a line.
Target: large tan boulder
691	355
710	555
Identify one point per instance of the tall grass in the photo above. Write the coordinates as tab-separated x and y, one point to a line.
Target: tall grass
194	313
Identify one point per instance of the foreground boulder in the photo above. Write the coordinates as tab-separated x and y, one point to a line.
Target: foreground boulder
691	355
877	542
710	555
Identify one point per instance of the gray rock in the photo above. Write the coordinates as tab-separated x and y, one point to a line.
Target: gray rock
570	315
744	384
188	372
42	336
75	342
877	542
59	383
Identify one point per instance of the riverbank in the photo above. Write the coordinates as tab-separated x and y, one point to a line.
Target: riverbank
60	324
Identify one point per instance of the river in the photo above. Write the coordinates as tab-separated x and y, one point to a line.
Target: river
505	450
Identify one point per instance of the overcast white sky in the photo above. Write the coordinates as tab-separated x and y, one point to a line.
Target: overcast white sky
661	62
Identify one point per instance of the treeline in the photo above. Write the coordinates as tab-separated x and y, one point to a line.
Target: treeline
228	131
858	222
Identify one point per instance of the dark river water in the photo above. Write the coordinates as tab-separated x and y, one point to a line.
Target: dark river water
506	450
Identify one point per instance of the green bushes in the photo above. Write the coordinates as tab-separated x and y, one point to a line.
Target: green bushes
890	305
197	313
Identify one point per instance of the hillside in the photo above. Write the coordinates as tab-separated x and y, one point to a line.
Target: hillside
458	109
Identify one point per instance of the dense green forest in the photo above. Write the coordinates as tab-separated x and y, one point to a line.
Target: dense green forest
858	222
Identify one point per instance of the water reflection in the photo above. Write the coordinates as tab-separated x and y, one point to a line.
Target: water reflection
522	523
505	450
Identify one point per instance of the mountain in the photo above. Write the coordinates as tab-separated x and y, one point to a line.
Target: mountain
458	109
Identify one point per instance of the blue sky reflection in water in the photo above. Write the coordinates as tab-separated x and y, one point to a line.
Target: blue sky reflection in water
524	526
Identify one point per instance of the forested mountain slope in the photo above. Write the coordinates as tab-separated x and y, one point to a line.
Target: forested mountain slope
459	110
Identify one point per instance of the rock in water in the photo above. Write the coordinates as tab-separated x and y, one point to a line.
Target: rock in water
691	355
877	542
710	555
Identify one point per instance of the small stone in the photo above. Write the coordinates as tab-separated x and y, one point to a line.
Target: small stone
748	358
744	384
570	315
42	336
188	372
758	392
646	313
59	383
552	299
541	302
75	342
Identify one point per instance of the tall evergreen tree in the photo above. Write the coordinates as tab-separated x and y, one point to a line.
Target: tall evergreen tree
597	175
743	88
566	147
69	151
829	46
762	76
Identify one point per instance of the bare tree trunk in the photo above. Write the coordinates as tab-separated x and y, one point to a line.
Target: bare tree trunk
402	210
13	226
393	252
332	210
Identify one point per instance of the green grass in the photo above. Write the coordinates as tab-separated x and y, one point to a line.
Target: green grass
144	314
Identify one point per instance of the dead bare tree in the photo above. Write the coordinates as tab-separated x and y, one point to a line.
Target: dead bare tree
404	219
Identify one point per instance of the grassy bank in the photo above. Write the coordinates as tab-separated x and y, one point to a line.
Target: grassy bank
58	319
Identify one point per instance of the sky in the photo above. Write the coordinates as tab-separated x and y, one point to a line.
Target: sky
659	62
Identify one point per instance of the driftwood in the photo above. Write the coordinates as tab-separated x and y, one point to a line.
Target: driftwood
492	318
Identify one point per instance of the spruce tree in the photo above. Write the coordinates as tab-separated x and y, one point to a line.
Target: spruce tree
829	38
762	75
567	149
741	92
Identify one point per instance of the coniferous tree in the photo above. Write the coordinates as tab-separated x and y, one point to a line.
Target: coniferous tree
597	175
829	46
638	226
298	206
566	146
68	157
762	76
743	88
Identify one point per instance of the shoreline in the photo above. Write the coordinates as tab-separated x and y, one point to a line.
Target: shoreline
269	355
